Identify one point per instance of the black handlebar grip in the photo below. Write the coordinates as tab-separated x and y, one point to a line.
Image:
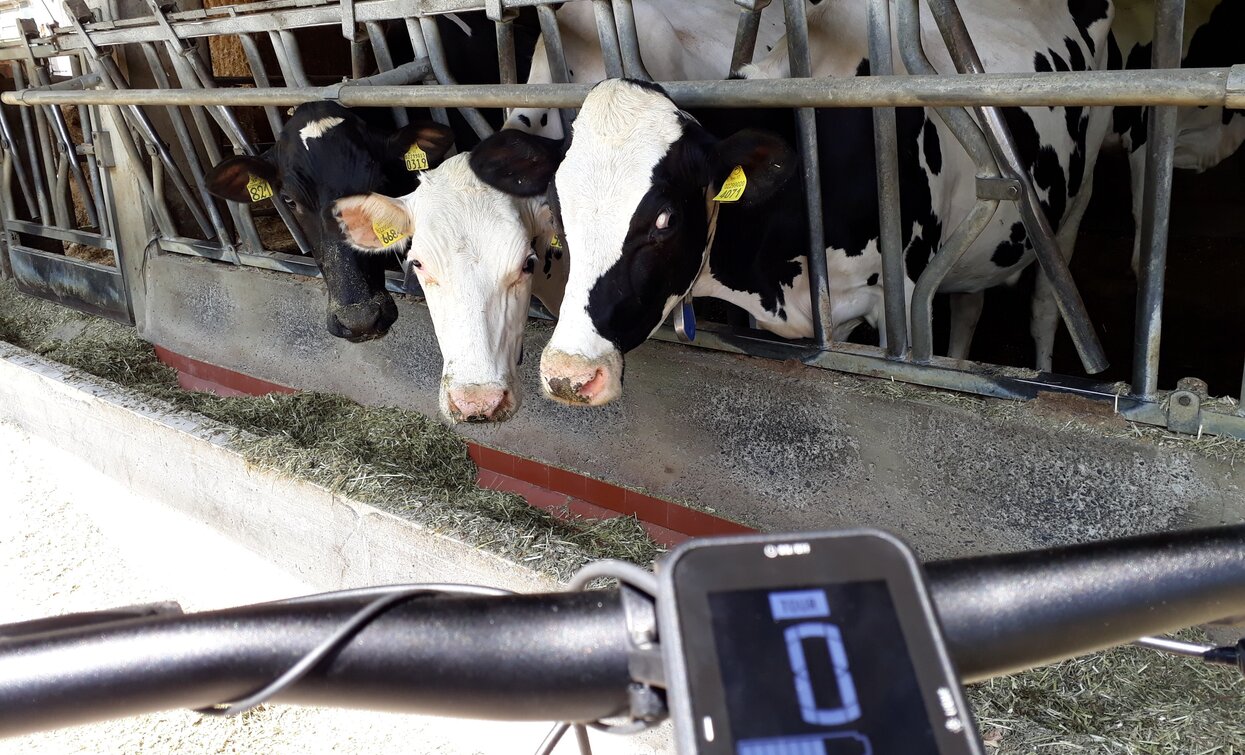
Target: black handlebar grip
1008	613
527	657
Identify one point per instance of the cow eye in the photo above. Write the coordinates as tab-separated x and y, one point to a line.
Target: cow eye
666	219
529	264
289	201
417	264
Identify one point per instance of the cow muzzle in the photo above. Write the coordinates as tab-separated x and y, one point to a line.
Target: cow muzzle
480	403
581	381
364	321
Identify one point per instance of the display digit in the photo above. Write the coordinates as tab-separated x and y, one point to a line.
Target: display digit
849	708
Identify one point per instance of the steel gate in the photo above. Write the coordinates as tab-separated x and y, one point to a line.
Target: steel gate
47	164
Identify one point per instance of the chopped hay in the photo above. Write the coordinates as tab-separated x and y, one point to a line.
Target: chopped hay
1127	700
397	460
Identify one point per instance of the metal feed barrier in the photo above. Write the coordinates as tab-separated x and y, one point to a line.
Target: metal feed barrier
45	160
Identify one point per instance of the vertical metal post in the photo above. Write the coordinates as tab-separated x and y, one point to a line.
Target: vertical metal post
607	33
384	61
441	66
416	33
1156	204
806	118
187	145
32	153
629	41
260	75
86	120
13	149
746	36
145	127
293	57
886	147
552	37
507	69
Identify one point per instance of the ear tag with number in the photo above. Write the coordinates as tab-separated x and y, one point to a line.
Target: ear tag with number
387	234
258	189
415	158
733	187
555	242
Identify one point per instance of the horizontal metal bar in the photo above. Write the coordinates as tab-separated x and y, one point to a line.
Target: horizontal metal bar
62	234
975	378
263	17
275	261
1182	87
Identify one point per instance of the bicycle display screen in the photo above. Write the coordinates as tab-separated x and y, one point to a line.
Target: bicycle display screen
799	645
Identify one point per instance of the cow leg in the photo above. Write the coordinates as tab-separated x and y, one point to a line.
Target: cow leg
1137	183
1046	316
965	312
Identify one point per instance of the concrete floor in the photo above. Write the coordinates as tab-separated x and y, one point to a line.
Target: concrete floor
73	539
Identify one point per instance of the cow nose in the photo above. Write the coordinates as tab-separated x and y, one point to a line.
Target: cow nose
361	322
478	403
575	379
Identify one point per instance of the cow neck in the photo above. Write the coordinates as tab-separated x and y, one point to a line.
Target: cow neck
685	315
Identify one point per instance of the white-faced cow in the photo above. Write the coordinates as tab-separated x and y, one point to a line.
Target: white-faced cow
1205	136
480	224
634	194
323	153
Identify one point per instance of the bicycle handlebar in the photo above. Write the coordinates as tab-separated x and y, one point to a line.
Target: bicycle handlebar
566	656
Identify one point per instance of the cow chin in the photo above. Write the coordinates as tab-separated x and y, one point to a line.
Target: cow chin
578	380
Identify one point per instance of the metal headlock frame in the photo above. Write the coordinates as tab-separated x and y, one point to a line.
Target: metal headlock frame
983	133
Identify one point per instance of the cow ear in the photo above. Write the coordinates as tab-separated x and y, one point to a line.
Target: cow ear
229	179
372	222
433	138
768	162
517	162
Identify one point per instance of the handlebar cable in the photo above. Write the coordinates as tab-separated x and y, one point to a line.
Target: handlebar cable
388	596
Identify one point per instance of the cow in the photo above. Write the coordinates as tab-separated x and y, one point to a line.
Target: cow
325	152
634	195
1205	135
481	227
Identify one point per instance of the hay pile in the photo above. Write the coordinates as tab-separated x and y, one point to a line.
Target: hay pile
397	460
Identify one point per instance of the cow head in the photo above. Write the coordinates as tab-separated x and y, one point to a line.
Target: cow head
480	232
633	197
326	152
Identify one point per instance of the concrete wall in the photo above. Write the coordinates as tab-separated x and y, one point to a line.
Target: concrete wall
773	445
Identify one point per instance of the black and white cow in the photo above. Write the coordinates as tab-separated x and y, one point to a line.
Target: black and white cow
1214	30
634	195
326	152
481	226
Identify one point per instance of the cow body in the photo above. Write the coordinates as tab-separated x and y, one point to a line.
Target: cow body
1205	136
640	248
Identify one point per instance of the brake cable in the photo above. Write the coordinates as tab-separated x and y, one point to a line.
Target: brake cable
1224	655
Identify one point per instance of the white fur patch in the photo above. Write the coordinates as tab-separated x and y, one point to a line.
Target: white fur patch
317	129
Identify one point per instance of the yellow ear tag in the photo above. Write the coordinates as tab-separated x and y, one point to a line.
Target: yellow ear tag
733	187
258	189
416	158
388	235
555	242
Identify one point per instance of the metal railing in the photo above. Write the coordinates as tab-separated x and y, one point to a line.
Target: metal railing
967	102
